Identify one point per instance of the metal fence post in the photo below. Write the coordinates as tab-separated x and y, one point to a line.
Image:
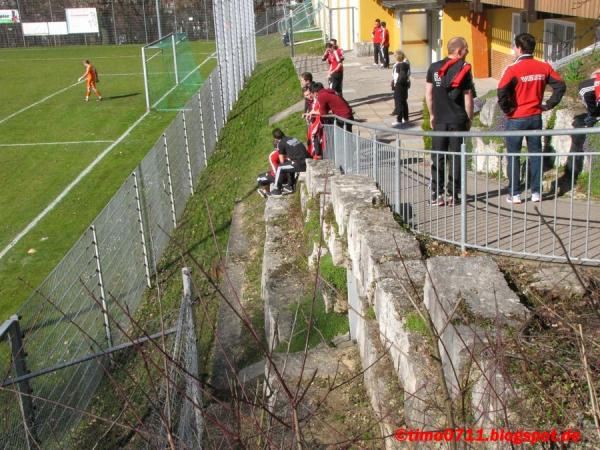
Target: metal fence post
292	33
15	338
175	57
345	150
463	196
202	128
101	286
142	231
357	152
374	174
397	176
187	153
170	183
212	101
335	143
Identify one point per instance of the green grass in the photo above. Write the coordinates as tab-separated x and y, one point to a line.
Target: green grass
31	176
329	325
246	137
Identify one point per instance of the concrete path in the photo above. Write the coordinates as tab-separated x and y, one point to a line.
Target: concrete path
491	222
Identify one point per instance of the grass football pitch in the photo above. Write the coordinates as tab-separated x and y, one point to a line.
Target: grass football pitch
48	135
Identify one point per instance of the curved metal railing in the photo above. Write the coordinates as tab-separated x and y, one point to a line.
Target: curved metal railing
564	225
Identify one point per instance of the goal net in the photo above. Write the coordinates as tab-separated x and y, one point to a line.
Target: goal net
171	74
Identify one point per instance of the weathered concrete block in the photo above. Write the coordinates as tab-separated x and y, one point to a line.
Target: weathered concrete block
349	192
318	174
335	244
380	382
485	300
276	284
489	158
375	238
488	112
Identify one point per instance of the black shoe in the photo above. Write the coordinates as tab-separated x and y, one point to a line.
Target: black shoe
276	193
262	193
288	190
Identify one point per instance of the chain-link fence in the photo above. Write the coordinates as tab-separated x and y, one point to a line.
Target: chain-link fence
83	306
61	22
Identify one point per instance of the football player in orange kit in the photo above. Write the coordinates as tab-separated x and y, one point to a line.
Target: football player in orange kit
91	77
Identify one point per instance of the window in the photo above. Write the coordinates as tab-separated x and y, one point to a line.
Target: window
519	25
559	39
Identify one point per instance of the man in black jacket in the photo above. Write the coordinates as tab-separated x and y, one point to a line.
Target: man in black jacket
292	158
449	97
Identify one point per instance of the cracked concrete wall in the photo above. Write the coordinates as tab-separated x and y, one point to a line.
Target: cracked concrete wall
467	299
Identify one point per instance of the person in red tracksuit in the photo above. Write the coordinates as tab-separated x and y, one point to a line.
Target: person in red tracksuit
265	179
335	57
385	46
520	96
377	39
332	103
314	135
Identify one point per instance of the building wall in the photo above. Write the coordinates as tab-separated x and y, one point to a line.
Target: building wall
455	22
500	36
369	10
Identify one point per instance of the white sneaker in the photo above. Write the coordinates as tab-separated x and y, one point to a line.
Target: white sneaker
395	124
516	199
535	197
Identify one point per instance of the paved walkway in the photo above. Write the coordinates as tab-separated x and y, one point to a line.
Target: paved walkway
491	222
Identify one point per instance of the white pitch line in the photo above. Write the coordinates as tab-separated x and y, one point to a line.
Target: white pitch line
33	144
37	103
68	189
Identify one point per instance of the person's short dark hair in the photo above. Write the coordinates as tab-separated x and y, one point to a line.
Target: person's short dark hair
377	20
383	24
278	134
316	87
87	61
526	42
306	76
334	41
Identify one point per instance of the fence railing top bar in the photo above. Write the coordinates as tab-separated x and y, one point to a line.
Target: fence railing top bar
407	132
7	324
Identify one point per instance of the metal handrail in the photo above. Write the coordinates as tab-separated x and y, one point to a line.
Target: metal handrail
421	133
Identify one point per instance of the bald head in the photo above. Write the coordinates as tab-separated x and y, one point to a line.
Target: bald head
456	43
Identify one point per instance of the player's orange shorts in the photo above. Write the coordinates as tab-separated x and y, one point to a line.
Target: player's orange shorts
90	83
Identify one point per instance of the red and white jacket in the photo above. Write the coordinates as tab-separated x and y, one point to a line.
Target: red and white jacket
377	35
274	161
522	84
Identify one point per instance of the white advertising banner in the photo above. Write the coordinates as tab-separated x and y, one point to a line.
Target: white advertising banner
82	20
57	28
35	28
9	16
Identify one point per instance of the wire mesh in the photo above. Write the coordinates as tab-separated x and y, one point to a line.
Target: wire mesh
118	22
78	308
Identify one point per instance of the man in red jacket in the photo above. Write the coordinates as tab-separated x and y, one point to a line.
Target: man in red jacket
332	103
520	95
385	46
377	39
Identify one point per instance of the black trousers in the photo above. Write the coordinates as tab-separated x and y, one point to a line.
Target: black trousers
335	81
440	161
385	53
376	50
345	125
286	173
400	101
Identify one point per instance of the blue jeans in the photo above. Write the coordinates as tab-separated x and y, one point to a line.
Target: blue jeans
513	147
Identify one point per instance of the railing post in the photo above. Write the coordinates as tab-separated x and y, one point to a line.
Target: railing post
374	138
397	177
212	100
170	183
101	286
187	154
15	337
345	150
292	33
142	230
335	144
463	196
357	152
